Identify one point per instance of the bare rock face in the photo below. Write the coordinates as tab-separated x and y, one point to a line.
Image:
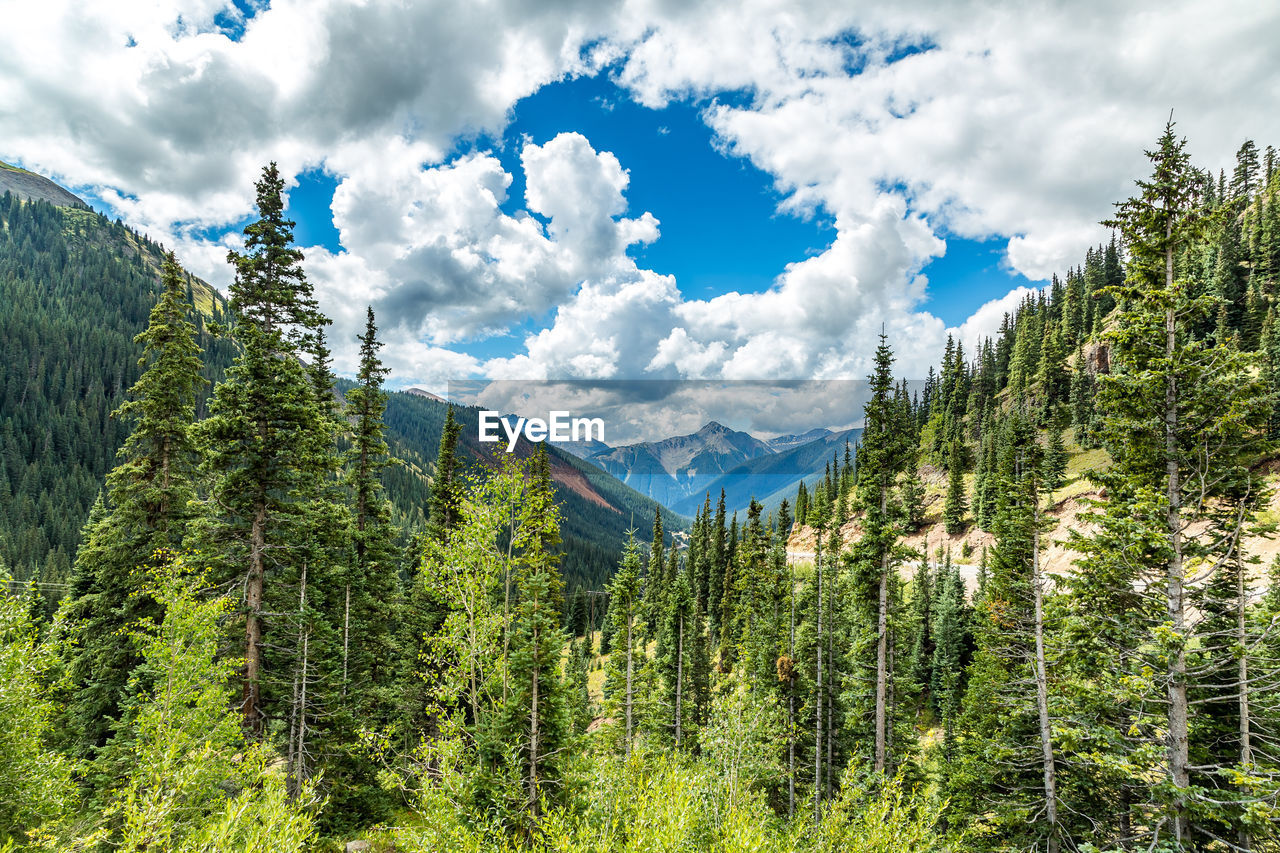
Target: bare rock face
357	847
31	186
1097	356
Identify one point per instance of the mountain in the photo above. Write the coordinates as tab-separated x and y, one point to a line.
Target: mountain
418	392
786	442
33	187
75	288
771	478
673	469
585	448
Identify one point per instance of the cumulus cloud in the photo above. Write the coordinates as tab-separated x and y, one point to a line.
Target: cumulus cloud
901	122
155	101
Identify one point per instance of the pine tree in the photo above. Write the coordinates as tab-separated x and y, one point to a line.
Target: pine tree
676	656
536	719
627	652
1009	756
718	567
144	519
267	440
444	487
950	636
1203	396
370	593
956	507
881	458
1054	470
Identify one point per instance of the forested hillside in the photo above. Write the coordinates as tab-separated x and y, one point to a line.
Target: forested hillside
819	678
75	288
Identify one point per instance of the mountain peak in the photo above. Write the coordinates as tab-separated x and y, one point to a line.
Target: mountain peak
712	428
31	186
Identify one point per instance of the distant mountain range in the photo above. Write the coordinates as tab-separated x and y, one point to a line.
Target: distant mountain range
674	468
774	477
678	472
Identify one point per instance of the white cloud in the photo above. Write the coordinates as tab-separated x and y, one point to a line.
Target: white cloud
1013	122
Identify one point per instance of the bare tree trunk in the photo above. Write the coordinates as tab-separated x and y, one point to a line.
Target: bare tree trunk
1179	772
881	665
251	705
346	635
817	741
1126	821
891	703
506	604
301	771
882	649
831	681
533	730
296	760
1246	746
1042	690
629	672
680	683
791	698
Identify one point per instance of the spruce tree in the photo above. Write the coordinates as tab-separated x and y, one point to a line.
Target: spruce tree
627	653
267	440
676	656
442	510
537	718
371	602
143	520
1210	411
956	507
881	458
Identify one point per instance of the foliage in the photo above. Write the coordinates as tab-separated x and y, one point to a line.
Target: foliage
35	779
195	783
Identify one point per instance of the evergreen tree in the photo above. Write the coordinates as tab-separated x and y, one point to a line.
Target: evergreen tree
536	719
1007	757
950	641
143	521
1054	471
371	599
627	651
1209	409
676	651
445	486
267	439
956	507
881	458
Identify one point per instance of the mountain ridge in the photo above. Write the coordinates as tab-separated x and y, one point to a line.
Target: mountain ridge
33	187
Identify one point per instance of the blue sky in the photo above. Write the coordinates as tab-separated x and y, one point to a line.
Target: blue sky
722	229
617	189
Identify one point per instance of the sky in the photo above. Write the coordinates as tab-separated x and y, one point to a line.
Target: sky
636	189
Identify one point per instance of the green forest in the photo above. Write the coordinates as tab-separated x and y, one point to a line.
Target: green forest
1032	609
75	289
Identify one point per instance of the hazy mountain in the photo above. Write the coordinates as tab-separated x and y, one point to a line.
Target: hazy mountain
584	449
771	478
674	468
786	442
